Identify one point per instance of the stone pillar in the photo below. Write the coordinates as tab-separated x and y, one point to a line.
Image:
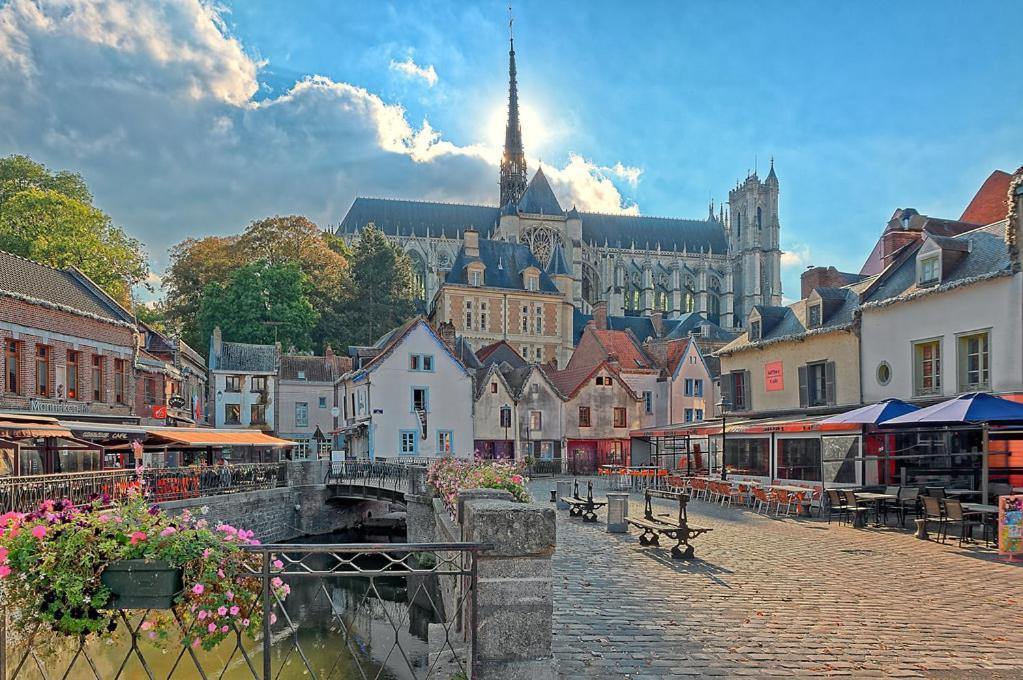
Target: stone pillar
617	511
515	595
419	520
564	491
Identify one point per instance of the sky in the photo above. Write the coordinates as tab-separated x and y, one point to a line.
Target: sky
189	119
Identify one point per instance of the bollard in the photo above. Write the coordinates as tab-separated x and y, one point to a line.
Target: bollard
564	491
921	529
617	511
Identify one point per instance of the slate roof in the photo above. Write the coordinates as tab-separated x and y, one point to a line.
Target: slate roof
402	217
988	255
672	234
463	350
558	264
500	352
831	294
516	377
539	198
246	358
313	368
579	321
503	261
66	288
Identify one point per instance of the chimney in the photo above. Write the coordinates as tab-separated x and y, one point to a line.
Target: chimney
657	321
446	332
817	277
600	315
612	359
471	242
893	242
216	347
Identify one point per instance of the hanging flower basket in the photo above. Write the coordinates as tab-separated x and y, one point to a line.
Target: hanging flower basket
142	584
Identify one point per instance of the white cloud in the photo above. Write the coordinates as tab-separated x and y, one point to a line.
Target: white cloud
411	69
153	103
797	256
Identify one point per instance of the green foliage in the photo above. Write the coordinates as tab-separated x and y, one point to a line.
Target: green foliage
49	217
259	303
381	296
448	476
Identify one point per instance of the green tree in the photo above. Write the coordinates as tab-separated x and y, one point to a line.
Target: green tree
259	303
381	289
49	217
194	265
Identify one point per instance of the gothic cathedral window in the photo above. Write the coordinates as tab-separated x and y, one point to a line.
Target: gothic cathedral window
760	218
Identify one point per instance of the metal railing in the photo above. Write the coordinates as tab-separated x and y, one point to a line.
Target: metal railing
25	493
354	611
375	476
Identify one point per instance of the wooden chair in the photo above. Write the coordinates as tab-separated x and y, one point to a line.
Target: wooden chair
933	512
836	504
954	514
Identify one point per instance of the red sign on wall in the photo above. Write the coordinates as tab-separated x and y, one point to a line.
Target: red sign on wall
774	376
159	411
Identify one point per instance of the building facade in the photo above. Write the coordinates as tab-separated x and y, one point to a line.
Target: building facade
305	401
721	265
243	382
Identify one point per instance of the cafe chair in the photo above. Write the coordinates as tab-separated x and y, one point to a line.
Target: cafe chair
909	501
836	505
954	514
933	512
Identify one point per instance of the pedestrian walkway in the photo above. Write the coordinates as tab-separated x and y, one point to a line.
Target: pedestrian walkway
780	597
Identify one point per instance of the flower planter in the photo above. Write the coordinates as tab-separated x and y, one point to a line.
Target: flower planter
142	584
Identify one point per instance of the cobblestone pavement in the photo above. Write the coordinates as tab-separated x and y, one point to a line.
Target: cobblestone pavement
780	597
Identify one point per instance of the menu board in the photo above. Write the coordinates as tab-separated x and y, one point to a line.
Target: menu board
1010	525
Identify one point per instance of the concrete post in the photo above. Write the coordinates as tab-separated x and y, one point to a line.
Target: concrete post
617	511
564	491
514	596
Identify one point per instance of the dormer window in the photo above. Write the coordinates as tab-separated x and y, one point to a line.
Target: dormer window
532	283
814	316
754	330
476	278
930	271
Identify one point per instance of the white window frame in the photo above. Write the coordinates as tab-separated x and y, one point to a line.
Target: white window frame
927	262
301	422
918	375
961	359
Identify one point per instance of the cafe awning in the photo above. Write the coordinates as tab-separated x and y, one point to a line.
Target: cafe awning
186	436
24	430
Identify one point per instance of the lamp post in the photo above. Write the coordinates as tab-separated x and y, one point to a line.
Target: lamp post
723	406
506	422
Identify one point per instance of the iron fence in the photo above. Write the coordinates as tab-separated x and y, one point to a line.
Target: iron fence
25	493
375	476
354	611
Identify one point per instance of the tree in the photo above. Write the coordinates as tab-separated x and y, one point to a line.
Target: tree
194	265
49	217
381	292
261	303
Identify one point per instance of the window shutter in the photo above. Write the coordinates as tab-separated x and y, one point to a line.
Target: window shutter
829	379
804	397
747	391
726	389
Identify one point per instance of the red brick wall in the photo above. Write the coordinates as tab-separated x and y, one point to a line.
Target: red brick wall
827	277
87	332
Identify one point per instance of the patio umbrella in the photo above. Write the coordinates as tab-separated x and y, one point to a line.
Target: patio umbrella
872	414
975	407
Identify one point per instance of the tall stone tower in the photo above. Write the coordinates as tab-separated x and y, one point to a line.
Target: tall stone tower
513	162
753	241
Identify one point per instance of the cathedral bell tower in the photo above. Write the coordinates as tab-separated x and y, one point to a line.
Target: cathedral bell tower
513	162
753	235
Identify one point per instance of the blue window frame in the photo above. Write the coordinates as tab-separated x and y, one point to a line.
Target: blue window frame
689	387
419	398
699	415
698	387
408	442
422	363
689	415
445	441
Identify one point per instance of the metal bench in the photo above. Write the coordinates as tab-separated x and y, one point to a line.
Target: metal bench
654	526
583	507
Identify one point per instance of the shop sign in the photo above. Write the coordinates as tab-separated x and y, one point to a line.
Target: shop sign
159	411
53	406
99	435
774	376
1010	525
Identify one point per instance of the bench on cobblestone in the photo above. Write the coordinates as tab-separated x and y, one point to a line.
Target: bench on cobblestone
654	526
583	507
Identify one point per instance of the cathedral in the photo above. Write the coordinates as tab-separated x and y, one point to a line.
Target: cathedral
721	265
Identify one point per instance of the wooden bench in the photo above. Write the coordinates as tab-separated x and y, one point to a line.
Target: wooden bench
583	507
679	530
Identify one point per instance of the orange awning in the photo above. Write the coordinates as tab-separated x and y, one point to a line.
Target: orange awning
209	437
23	430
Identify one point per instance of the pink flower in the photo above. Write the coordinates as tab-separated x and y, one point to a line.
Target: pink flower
220	573
222	611
278	564
273	618
234	610
3	554
206	552
202	614
195	643
168	531
229	595
223	629
39	531
137	537
198	588
517	479
245	623
152	635
276	582
212	627
103	519
5	571
146	625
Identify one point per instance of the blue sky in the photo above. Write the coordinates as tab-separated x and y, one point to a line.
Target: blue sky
187	121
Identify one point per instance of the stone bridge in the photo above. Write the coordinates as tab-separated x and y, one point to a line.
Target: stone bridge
358	480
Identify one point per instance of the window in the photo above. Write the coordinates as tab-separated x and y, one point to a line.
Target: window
323	402
73	358
974	362
232	414
258	383
814	319
584	416
739	394
799	459
233	383
697	386
505	416
444	439
648	402
97	377
688	415
42	370
539	354
301	375
744	456
604	380
257	414
301	414
538	323
531	283
689	387
483	316
760	218
534	388
884	373
927	367
119	381
816	385
493	388
468	315
524	320
420	362
420	399
12	354
535	420
698	415
476	278
754	330
619	417
149	387
409	442
929	272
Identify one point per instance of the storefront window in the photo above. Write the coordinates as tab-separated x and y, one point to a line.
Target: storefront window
799	459
748	456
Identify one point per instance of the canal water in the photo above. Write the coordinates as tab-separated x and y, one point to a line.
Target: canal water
341	627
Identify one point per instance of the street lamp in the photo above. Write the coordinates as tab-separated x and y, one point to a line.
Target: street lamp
506	423
723	406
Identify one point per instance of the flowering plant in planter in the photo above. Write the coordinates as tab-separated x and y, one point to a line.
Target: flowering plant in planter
448	476
52	563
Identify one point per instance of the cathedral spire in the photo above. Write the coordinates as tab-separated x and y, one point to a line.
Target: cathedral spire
513	162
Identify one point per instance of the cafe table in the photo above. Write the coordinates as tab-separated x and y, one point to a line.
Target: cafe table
959	493
878	499
990	512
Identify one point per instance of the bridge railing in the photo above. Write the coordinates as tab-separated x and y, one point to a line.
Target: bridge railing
400	477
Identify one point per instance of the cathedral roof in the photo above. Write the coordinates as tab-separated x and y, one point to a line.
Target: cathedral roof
558	265
621	231
398	217
539	197
503	261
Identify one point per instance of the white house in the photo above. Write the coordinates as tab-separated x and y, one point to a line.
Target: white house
242	379
407	395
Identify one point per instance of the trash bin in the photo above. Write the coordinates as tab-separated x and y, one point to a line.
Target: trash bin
617	511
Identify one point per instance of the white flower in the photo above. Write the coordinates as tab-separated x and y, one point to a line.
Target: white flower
204	509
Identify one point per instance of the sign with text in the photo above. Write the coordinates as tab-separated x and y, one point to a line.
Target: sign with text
774	376
1010	525
159	411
